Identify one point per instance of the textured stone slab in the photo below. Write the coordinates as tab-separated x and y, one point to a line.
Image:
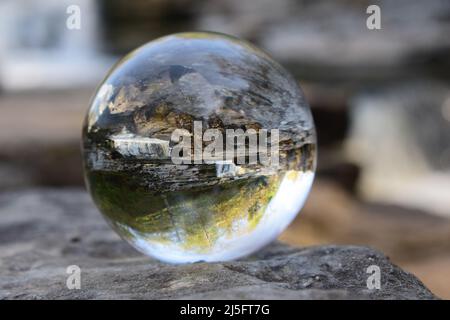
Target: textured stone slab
42	232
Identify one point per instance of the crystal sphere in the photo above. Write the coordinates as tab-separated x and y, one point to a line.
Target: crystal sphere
198	147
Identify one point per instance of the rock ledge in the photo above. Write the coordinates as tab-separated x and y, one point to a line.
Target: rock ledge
42	232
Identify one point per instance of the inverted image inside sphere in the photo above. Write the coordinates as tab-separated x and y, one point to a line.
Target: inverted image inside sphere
215	207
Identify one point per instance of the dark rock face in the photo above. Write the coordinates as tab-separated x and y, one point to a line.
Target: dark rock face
42	232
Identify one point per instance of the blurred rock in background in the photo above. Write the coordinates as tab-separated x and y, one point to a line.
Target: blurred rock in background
380	99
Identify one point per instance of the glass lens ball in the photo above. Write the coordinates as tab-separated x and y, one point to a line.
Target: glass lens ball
198	147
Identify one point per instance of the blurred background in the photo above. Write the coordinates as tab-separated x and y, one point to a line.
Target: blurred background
380	99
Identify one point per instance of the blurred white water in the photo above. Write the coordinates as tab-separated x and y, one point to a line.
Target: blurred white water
38	51
401	137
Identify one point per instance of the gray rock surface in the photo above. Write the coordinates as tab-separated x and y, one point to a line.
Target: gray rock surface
42	232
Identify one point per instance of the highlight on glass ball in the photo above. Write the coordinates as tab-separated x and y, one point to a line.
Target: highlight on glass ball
199	147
